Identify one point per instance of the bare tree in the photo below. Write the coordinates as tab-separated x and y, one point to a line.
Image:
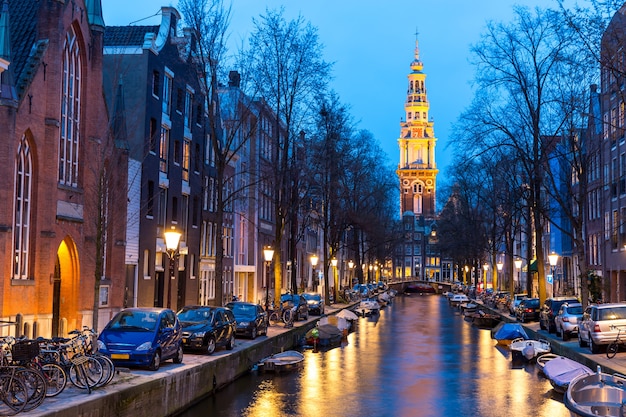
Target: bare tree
286	69
231	115
519	76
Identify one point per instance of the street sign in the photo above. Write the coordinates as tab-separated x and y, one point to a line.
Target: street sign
549	278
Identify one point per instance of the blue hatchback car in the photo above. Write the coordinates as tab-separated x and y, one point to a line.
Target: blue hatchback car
142	337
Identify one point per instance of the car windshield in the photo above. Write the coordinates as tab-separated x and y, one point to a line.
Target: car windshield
242	310
531	302
134	320
575	310
195	315
288	298
315	297
614	313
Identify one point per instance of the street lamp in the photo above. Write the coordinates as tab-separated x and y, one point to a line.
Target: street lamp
172	238
268	254
553	258
333	262
499	265
465	275
518	266
314	260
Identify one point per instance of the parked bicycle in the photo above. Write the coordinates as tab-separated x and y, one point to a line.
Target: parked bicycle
282	314
620	339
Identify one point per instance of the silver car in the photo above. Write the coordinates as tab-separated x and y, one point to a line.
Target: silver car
600	323
567	318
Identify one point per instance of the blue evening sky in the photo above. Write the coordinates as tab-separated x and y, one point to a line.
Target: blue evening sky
371	43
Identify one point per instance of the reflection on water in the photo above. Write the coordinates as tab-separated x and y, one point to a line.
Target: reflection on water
419	358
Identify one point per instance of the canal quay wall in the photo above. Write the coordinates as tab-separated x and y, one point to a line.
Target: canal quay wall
174	387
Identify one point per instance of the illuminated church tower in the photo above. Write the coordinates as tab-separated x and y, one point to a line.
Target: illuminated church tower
417	170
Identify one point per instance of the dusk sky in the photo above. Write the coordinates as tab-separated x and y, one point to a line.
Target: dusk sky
371	43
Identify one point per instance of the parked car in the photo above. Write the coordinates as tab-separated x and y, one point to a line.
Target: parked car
515	302
206	328
598	325
567	318
527	310
315	302
362	290
297	300
143	337
549	310
251	318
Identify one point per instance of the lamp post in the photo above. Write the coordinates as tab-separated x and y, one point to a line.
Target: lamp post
485	268
518	266
553	258
499	266
333	262
465	271
268	254
314	260
172	238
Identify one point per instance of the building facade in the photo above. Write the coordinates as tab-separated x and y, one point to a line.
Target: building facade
63	195
151	72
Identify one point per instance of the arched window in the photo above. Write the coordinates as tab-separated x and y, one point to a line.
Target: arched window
21	215
70	111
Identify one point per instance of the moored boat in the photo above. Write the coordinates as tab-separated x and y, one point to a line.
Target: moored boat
504	333
282	362
560	371
528	349
367	307
598	394
484	320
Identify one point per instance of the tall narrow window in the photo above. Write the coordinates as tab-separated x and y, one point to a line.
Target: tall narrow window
188	109
163	148
150	202
167	94
70	112
21	215
186	158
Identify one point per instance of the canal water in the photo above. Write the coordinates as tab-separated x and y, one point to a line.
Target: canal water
418	358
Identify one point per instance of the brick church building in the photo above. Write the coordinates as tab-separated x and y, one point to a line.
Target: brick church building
60	169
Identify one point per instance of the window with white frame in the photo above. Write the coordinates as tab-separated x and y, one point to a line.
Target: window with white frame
22	210
168	82
164	144
70	111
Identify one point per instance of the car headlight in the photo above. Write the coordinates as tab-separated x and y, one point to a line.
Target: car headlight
198	335
101	346
145	346
244	323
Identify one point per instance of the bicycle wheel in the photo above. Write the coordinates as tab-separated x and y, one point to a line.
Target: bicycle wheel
611	350
274	318
14	394
56	379
108	369
35	384
288	316
87	374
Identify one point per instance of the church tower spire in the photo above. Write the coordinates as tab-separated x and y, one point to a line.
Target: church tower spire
417	169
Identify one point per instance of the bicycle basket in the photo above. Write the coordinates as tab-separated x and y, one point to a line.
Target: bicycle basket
24	350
